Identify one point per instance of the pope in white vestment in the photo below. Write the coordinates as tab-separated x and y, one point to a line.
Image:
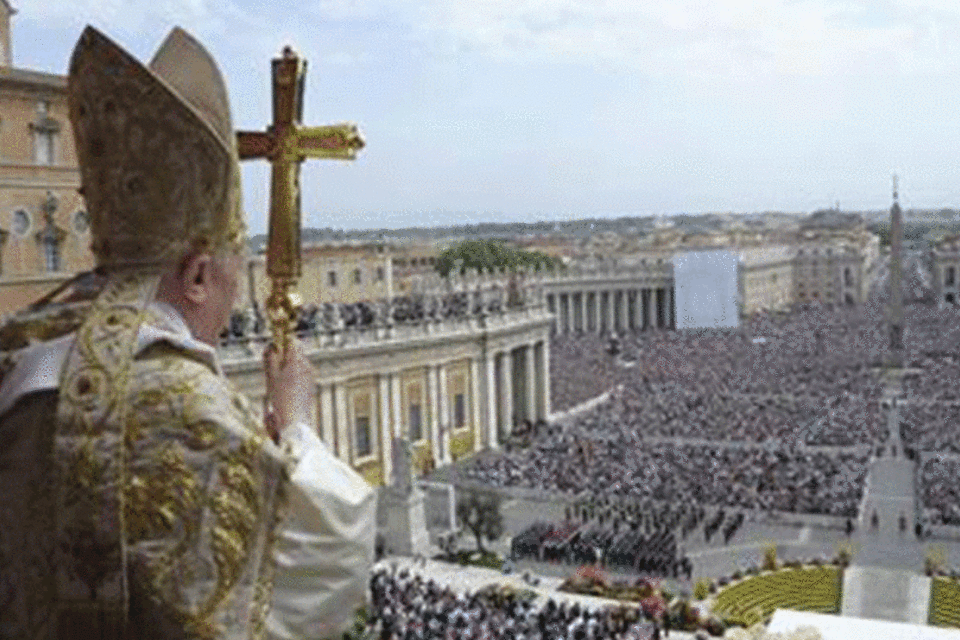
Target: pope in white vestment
143	498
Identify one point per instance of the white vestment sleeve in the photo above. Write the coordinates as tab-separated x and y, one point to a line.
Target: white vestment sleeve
324	549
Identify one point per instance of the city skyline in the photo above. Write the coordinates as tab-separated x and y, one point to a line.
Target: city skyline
496	111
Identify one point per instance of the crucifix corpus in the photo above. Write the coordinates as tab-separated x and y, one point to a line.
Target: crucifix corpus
286	143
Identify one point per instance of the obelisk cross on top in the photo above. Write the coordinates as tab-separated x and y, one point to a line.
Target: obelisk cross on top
896	280
286	143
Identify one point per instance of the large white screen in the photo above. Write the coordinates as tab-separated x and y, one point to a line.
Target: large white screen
707	290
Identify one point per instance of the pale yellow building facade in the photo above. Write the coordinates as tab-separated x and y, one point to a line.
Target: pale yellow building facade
44	226
945	268
343	272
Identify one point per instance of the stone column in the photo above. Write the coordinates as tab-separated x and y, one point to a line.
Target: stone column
602	312
651	308
530	368
614	324
344	427
611	314
614	311
662	311
568	308
559	314
595	311
544	380
572	312
433	410
552	307
442	456
328	424
396	401
624	318
493	409
583	312
386	440
638	310
506	393
656	306
475	403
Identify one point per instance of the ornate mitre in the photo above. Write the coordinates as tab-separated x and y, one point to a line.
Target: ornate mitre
157	151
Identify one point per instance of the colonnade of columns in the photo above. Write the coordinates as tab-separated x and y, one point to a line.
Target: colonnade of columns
613	310
517	389
505	387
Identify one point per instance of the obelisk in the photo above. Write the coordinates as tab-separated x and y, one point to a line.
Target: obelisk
896	281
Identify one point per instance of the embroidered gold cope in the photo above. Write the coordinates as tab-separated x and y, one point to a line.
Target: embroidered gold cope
147	437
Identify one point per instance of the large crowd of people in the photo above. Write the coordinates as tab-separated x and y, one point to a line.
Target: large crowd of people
931	426
724	418
940	492
580	370
687	409
805	377
749	477
408	607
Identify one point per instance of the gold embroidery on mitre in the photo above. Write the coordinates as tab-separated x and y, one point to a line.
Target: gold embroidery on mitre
158	176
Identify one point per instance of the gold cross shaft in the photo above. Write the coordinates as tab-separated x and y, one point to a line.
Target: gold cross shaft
286	143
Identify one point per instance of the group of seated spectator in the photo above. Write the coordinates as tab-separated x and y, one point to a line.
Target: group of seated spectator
408	607
750	477
931	426
930	415
940	492
580	369
804	377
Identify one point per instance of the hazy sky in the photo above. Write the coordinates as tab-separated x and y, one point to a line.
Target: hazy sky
497	110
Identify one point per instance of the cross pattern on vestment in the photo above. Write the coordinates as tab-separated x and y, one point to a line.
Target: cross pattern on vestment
286	143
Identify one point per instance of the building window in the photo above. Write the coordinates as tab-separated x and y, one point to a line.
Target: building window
357	276
21	222
43	147
951	278
45	130
51	250
950	298
332	278
459	411
381	274
363	437
416	423
847	277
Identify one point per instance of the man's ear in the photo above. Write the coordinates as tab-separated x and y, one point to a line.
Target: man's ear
195	278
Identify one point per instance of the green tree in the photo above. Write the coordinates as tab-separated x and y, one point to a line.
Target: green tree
491	255
479	512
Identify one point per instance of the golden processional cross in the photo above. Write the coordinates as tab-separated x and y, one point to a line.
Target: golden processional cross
286	143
